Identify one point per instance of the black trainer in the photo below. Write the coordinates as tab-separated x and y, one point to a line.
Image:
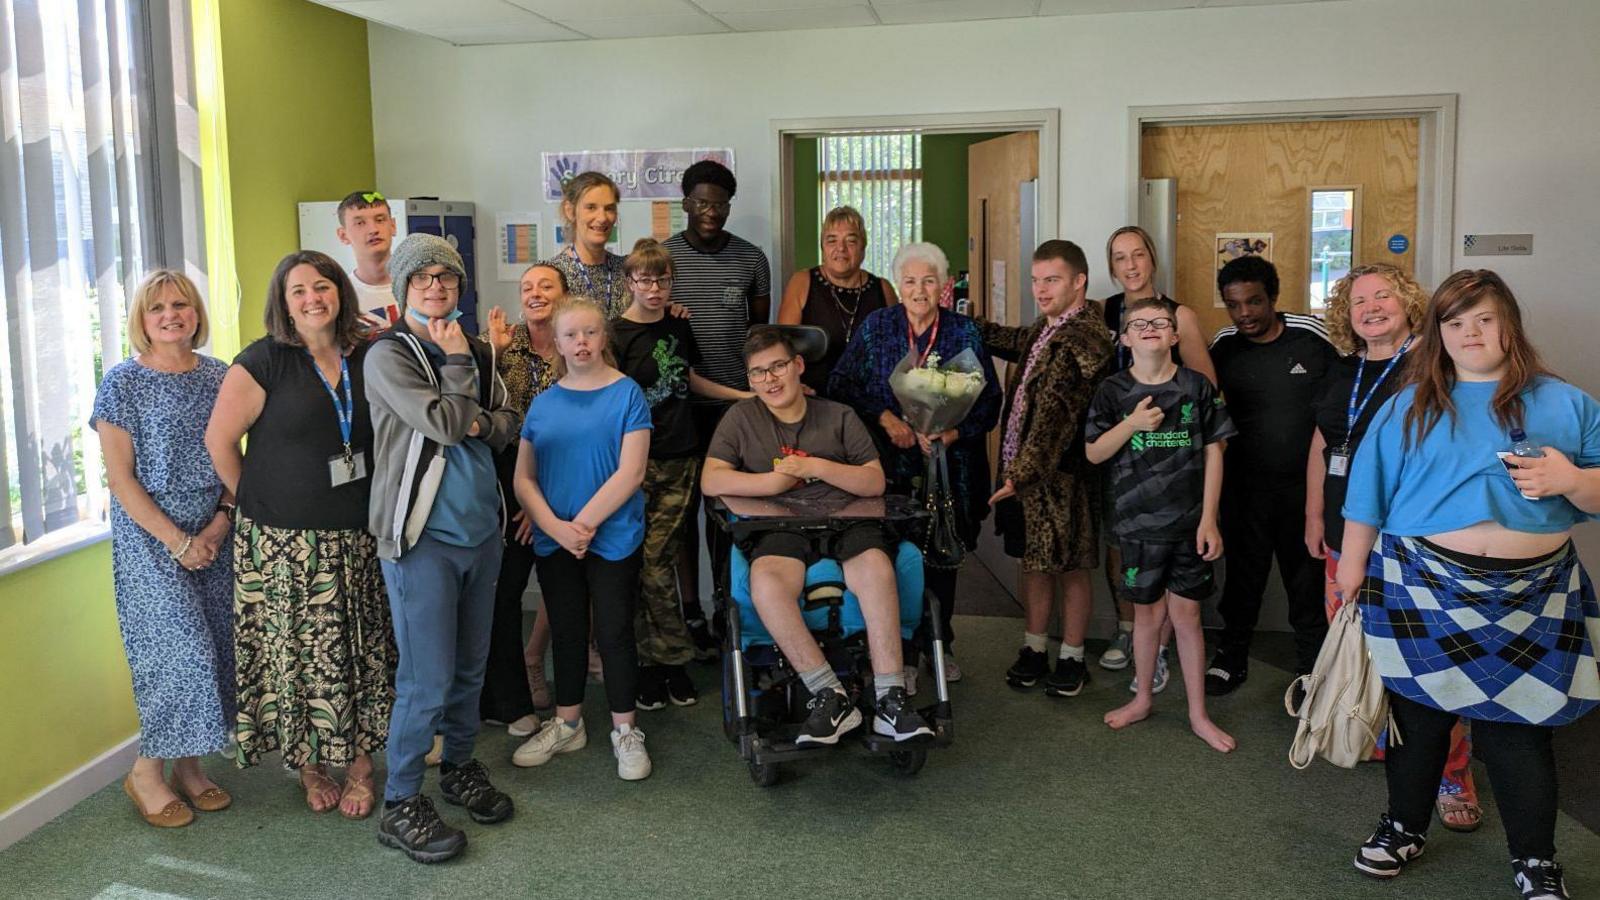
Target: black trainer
1227	672
1388	850
680	687
414	828
1068	679
468	785
896	719
652	688
832	714
1030	667
1540	879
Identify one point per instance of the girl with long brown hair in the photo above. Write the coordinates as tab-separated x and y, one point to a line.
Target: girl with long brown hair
1474	603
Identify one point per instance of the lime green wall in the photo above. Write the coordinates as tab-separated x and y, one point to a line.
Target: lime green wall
299	127
67	696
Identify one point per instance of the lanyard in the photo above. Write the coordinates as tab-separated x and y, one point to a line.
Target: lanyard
347	409
588	280
1354	409
911	339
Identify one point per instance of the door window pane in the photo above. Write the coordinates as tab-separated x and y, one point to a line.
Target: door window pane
1333	218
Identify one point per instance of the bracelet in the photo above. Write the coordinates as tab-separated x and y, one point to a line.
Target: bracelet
178	554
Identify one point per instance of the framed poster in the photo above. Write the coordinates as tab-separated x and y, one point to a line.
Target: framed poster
1233	244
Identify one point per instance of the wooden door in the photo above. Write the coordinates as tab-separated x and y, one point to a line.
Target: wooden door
1258	178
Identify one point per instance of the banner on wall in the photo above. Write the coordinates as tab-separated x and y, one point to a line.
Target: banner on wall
639	174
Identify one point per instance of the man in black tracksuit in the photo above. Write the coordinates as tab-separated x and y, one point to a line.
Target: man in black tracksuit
1270	367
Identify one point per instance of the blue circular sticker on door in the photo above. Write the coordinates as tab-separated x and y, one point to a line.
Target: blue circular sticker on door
1399	243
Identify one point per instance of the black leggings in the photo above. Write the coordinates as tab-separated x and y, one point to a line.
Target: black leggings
571	588
1521	764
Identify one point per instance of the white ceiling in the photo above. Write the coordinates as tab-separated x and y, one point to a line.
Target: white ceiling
465	22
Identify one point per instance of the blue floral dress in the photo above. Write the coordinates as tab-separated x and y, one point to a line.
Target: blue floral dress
177	625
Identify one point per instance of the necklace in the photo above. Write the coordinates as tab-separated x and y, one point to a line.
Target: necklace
848	313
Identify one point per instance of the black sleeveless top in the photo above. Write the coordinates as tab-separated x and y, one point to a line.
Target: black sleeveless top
1122	357
838	311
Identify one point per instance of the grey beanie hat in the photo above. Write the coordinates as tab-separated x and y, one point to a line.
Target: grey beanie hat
419	251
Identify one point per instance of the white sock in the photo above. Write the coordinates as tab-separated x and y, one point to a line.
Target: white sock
1072	652
1125	626
1034	642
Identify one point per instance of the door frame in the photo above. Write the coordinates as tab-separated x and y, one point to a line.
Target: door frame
1433	244
1047	122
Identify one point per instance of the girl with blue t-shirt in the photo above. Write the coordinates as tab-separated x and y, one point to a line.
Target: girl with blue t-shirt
1473	601
580	469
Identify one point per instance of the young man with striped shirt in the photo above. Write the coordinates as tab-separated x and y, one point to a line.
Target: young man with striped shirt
1270	367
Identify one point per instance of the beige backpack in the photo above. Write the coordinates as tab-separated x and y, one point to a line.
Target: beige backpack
1345	706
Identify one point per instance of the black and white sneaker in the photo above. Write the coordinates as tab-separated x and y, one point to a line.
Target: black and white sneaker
652	688
1068	679
1227	672
680	687
832	715
1388	850
1031	666
468	785
1539	879
414	828
896	719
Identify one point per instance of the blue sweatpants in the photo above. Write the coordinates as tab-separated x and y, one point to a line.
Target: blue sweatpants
442	599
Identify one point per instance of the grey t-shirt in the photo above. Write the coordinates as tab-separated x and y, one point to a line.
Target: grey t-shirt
751	439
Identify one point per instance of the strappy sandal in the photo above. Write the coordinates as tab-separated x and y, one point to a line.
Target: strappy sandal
317	784
1461	806
212	799
362	792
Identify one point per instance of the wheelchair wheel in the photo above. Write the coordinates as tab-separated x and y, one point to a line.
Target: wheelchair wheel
908	762
764	774
730	716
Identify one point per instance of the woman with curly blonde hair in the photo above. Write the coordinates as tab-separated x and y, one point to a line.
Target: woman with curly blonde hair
1372	315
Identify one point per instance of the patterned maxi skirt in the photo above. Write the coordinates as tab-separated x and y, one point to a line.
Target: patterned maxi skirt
314	643
1502	646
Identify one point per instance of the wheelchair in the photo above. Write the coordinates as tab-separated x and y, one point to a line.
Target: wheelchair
763	697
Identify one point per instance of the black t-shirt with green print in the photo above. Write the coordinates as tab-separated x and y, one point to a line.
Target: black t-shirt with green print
658	355
1157	479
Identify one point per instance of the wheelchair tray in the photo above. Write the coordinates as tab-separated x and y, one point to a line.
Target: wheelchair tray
745	516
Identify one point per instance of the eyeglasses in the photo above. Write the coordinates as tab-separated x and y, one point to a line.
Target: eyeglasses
758	374
706	206
662	281
1140	326
424	280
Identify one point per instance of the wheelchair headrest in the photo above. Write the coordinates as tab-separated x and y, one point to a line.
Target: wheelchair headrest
809	341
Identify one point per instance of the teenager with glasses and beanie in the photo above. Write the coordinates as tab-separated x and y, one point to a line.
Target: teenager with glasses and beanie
1458	546
367	226
1047	509
439	414
580	471
782	443
1271	367
659	353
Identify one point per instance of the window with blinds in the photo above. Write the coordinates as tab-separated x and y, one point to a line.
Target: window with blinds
880	175
73	179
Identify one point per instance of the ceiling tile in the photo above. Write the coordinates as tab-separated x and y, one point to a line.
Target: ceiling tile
1216	3
907	12
646	26
561	10
1086	7
718	7
533	31
784	19
427	15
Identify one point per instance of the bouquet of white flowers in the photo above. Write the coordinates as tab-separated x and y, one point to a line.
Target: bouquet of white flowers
936	396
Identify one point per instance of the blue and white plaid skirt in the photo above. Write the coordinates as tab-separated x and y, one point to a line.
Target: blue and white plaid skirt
1512	646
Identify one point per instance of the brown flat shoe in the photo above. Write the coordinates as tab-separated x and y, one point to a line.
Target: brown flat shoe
212	799
174	815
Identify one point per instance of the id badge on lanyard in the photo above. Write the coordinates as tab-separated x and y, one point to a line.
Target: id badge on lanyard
349	464
1339	462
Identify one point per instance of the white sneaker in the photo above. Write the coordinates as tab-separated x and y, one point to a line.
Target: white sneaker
1158	682
1120	653
952	672
633	763
554	736
524	726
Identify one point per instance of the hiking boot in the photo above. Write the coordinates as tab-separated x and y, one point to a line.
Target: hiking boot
468	785
413	827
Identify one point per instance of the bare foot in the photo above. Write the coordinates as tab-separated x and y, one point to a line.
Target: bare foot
1207	731
1135	710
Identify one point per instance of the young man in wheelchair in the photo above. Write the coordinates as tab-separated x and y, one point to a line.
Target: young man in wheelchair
782	442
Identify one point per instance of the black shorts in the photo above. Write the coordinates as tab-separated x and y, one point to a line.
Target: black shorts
1008	523
1152	568
848	543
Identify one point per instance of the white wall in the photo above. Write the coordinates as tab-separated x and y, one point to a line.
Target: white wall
470	123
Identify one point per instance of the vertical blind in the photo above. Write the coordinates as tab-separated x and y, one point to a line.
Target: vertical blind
70	239
880	174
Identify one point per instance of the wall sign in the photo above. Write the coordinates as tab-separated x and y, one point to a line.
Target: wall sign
1399	243
1497	245
639	174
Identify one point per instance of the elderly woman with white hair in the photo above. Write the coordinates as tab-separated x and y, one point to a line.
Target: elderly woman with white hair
918	325
836	296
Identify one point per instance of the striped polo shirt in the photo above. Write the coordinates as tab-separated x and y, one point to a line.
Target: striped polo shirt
717	289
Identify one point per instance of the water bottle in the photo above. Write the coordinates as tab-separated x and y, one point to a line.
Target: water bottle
1521	446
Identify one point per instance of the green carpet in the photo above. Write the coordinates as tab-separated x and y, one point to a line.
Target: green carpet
1035	799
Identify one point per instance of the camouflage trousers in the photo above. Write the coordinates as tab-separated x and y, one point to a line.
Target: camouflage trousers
658	625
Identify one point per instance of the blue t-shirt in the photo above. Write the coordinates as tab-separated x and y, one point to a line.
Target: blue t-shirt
1452	478
466	510
577	446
